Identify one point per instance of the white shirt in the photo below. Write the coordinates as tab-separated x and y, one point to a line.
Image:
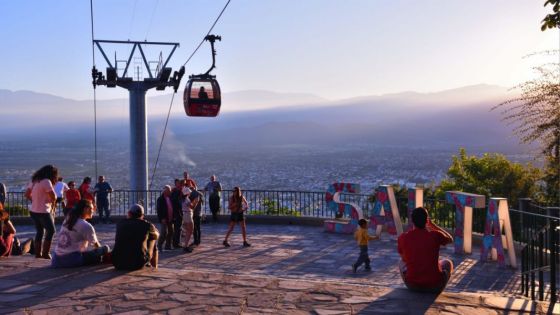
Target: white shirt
76	240
40	199
60	188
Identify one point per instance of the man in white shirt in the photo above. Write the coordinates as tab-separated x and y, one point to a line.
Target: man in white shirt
60	189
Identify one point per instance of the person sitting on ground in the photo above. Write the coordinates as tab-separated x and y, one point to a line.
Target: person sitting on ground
420	267
164	208
135	242
9	243
71	197
362	236
75	237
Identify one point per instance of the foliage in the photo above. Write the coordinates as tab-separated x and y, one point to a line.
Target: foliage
536	113
551	20
271	207
492	175
17	210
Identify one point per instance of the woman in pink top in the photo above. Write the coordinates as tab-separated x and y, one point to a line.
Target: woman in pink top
43	197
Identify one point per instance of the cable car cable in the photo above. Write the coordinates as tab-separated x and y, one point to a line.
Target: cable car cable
209	31
151	20
161	142
132	19
173	96
94	91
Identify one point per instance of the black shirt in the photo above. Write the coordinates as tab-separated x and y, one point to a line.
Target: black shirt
131	243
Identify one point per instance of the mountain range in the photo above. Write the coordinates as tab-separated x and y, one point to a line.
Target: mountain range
445	119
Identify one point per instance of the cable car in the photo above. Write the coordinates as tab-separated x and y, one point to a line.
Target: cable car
202	96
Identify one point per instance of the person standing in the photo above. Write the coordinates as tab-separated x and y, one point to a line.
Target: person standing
237	205
135	242
43	198
75	237
189	182
85	190
214	189
71	197
361	235
101	191
164	208
188	224
177	201
196	205
59	189
420	268
3	193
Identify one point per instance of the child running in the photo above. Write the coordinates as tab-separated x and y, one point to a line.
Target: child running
362	236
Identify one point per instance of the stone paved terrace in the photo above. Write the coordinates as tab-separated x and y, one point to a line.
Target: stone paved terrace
288	270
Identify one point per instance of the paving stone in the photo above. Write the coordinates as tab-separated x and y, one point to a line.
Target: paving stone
289	270
14	297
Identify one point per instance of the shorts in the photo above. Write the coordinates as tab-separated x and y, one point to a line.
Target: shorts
237	217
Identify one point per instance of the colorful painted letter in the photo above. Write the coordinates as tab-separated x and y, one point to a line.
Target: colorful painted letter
464	204
415	200
348	210
386	212
497	218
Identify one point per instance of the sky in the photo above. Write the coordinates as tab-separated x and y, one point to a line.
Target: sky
331	48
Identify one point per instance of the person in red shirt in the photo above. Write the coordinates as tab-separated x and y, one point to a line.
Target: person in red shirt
71	196
421	268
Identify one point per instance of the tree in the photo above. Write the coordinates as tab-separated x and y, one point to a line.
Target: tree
492	175
551	20
536	114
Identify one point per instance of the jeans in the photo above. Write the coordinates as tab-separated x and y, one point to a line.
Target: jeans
196	232
446	266
43	222
177	223
363	258
103	206
166	235
214	202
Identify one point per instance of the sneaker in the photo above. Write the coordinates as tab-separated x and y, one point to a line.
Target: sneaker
354	268
226	244
187	250
367	268
168	247
245	244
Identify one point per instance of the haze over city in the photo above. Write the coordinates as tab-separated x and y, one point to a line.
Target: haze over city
303	81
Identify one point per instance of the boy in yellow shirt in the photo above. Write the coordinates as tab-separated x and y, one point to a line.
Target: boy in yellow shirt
362	236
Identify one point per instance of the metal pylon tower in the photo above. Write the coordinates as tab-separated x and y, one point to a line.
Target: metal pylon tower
159	79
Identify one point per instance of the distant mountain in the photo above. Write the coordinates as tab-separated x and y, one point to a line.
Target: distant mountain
448	118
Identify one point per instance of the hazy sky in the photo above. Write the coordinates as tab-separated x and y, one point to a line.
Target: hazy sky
331	48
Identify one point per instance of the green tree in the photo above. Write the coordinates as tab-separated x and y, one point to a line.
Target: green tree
536	116
551	20
492	175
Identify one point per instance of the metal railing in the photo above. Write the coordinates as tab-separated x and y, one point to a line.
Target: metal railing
539	232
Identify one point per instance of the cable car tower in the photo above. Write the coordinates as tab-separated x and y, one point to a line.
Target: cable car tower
160	78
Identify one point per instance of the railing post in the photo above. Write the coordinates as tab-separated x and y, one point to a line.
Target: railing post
554	243
540	265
